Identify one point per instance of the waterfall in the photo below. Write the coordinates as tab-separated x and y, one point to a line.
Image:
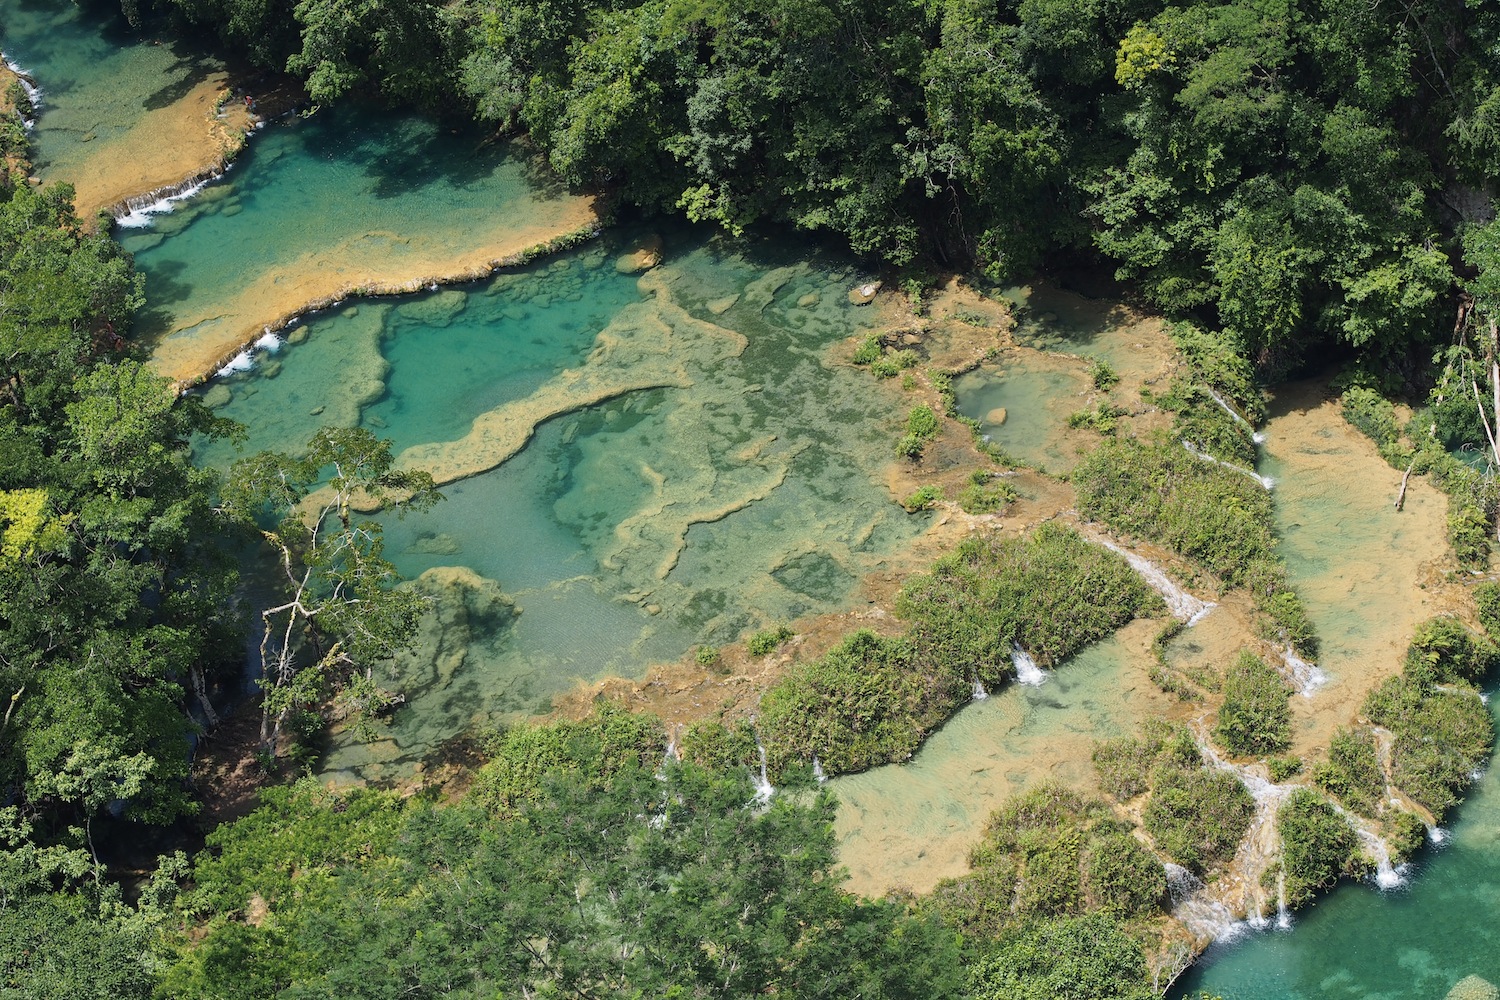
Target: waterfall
1387	876
1027	672
1183	605
136	212
818	772
1265	481
1255	435
763	787
1283	915
33	93
979	692
269	342
1306	677
241	362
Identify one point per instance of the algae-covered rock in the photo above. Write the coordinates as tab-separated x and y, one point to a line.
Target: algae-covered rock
643	256
217	395
721	306
466	609
1473	988
807	300
996	416
437	309
296	335
863	294
439	544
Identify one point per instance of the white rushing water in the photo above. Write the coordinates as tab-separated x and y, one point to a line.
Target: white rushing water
142	210
1027	672
33	93
979	692
763	787
241	362
1184	606
1306	677
1266	482
1255	435
818	772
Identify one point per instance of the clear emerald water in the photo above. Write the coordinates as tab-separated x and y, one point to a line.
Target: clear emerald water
629	531
98	80
1362	944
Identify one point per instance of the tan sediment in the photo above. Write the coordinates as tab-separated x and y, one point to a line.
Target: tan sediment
372	263
189	140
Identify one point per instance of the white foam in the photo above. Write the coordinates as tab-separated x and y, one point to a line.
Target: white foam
979	692
762	784
241	362
33	92
268	342
1183	605
141	216
1306	677
818	772
1027	672
1266	482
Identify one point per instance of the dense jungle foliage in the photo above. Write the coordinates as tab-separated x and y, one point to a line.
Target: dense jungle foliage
1295	173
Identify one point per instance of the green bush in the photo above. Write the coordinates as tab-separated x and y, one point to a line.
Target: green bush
1052	592
868	351
1405	834
1469	530
707	656
767	640
868	701
1352	773
983	495
1375	417
1440	738
715	746
923	497
1103	374
1487	599
1197	816
1283	768
1049	852
921	427
886	367
1217	361
1125	765
584	754
1444	650
1080	958
1254	718
1103	419
1317	845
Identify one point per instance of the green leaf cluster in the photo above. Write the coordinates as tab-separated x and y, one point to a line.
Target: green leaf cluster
1317	845
1254	718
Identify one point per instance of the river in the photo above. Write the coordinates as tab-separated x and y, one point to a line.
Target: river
638	463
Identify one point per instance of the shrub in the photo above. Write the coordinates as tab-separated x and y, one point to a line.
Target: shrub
714	745
1469	534
886	367
1103	419
1317	845
868	351
1444	651
923	497
1125	765
707	656
1283	768
1374	416
1440	738
984	496
1352	773
1197	815
584	754
865	702
1081	958
1052	592
1405	834
1050	852
1254	718
1487	598
766	640
1103	374
1218	362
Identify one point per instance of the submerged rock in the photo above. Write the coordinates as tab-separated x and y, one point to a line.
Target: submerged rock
466	609
217	395
437	309
645	255
721	306
810	299
1473	988
996	416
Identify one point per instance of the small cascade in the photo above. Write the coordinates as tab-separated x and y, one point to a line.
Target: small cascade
137	211
1387	876
1306	677
1265	481
1239	418
979	692
1027	672
241	362
1261	845
1437	836
818	772
1184	606
1283	915
763	787
33	93
268	342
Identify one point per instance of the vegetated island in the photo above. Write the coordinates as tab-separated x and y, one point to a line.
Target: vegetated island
587	858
